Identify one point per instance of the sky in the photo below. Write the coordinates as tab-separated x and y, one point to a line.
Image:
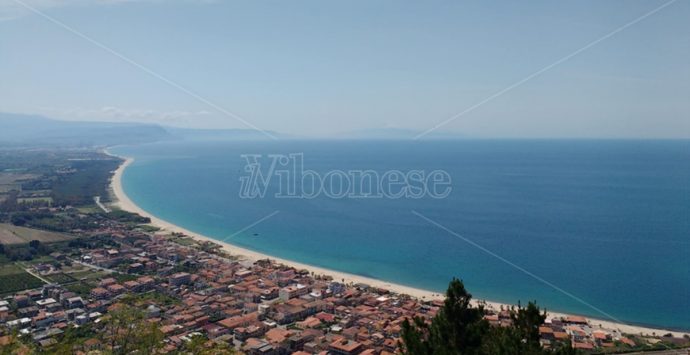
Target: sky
546	69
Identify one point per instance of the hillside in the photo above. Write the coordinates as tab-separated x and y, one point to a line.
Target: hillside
32	130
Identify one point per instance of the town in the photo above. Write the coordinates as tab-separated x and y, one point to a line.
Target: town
109	273
258	308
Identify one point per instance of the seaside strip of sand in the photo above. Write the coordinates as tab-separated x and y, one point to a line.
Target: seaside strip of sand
123	202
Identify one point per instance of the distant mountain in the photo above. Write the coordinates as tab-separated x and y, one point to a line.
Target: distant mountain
37	131
34	130
396	133
222	134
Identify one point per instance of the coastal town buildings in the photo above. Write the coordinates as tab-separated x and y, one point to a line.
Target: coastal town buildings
261	307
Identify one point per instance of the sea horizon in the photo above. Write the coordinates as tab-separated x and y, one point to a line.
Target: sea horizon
345	178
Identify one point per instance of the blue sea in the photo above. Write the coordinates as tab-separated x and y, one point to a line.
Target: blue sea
593	227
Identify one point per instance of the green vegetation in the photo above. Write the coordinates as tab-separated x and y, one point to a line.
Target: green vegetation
45	193
24	252
35	200
200	345
73	338
58	222
186	241
60	278
127	217
124	331
11	344
154	297
53	177
80	288
14	278
124	277
459	328
89	178
127	331
40	259
69	220
89	274
11	234
85	280
148	228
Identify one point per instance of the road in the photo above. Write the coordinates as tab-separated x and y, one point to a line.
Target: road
112	271
27	269
97	199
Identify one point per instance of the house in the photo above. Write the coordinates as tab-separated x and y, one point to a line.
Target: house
74	302
135	268
345	347
214	331
260	347
583	346
292	291
116	289
132	286
180	278
100	293
146	282
253	331
21	301
311	322
107	282
239	321
576	320
46	302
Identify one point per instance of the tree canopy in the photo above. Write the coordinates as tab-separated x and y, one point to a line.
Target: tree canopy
460	328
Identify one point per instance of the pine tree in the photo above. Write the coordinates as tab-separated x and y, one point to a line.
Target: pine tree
460	329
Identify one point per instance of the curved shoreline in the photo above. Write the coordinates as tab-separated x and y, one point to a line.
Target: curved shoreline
123	202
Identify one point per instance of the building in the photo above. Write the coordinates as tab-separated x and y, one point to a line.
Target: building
180	278
292	291
345	347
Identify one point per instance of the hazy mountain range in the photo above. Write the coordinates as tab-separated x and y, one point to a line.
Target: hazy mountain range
395	133
20	130
33	130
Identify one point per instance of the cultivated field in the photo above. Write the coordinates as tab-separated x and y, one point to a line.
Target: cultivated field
14	178
35	199
13	278
12	181
59	278
10	234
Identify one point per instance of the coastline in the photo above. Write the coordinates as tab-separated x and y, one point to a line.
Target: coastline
122	201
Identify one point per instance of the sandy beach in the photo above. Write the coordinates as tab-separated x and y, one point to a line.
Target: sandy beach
123	202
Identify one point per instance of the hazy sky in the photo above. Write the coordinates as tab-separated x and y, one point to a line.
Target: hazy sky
322	67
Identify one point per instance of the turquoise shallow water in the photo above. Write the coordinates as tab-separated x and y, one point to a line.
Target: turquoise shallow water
607	222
